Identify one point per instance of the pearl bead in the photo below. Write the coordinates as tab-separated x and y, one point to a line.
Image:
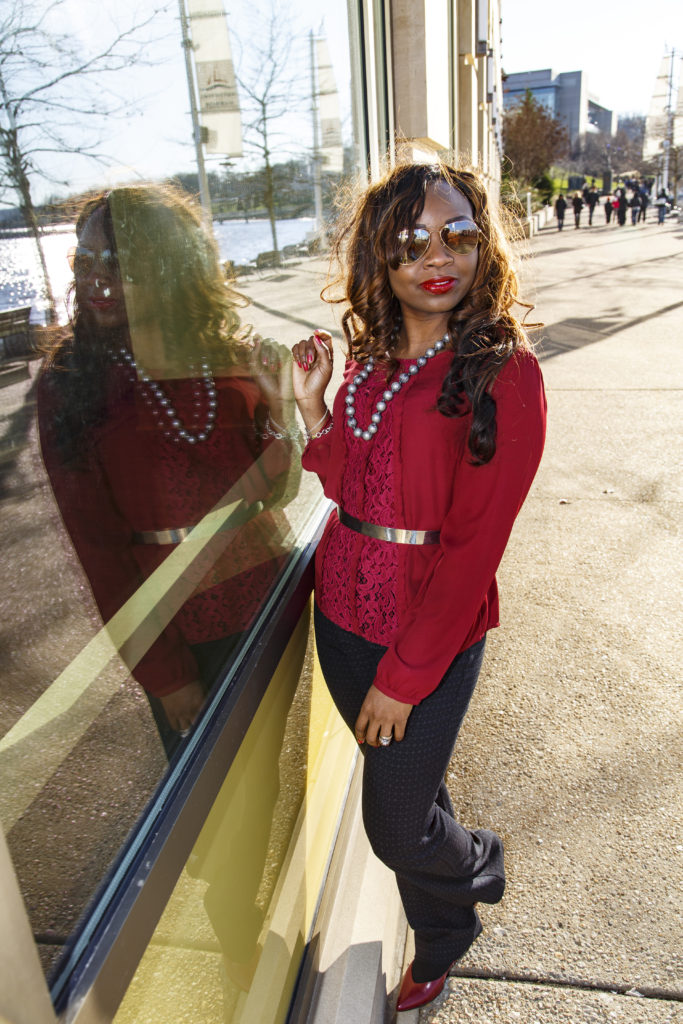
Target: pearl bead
388	395
153	393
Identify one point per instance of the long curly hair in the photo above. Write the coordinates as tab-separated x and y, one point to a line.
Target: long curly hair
162	246
484	332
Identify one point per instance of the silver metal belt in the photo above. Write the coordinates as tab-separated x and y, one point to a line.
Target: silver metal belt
242	514
394	536
162	536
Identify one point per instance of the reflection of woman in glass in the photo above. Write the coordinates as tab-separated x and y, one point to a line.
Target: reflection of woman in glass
149	414
432	445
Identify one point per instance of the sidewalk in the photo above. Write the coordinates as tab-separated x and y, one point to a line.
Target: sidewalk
570	746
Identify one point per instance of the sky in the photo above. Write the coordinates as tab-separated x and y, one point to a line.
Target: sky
619	49
155	139
618	45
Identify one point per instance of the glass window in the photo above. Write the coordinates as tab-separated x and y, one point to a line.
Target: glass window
152	494
232	935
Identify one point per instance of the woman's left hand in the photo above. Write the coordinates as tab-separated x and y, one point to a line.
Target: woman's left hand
381	716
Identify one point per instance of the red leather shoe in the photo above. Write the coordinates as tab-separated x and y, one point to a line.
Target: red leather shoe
418	993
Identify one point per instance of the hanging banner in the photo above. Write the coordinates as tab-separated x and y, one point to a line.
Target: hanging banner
218	100
656	122
331	148
678	119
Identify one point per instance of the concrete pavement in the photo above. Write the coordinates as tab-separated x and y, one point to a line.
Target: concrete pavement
571	747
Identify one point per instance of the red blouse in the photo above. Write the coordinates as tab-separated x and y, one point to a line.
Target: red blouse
425	603
132	479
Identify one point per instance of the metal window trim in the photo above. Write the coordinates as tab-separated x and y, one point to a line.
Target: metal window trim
92	989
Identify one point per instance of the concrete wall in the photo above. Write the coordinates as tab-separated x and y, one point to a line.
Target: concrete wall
445	73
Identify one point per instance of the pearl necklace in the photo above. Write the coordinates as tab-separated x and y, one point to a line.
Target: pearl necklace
160	404
388	395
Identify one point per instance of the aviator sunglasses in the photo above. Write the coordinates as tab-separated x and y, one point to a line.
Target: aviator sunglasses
459	236
82	261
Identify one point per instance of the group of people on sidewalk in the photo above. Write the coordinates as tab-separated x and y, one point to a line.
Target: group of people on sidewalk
637	201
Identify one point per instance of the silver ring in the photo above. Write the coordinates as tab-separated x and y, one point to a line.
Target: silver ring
385	740
183	733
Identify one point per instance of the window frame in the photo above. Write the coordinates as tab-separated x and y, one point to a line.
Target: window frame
98	964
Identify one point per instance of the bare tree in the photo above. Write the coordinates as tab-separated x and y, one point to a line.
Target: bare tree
269	89
56	97
533	140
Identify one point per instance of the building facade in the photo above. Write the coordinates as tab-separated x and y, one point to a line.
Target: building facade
566	96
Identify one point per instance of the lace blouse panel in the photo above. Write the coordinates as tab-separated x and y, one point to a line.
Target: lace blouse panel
358	581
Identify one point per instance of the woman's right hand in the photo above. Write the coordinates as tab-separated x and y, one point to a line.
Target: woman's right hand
312	368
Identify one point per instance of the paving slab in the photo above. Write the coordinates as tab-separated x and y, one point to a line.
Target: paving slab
493	1002
571	748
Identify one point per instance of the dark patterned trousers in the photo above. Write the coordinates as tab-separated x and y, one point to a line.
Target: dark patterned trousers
442	869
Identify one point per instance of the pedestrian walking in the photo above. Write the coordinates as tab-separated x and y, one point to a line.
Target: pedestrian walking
661	204
622	206
577	203
634	204
608	208
560	209
429	451
644	203
593	200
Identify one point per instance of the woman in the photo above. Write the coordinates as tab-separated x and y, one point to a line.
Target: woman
577	204
430	449
150	414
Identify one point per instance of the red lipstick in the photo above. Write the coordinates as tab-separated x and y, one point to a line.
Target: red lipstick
438	285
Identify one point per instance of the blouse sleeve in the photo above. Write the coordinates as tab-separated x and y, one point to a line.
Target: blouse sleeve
318	453
316	456
474	534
